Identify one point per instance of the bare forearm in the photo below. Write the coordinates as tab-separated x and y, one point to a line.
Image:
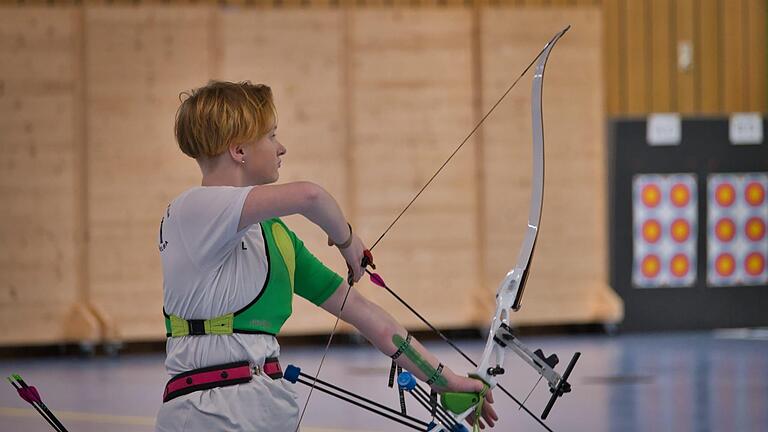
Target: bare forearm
389	337
386	334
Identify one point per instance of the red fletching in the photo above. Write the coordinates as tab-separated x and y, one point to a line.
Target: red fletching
377	280
27	395
35	394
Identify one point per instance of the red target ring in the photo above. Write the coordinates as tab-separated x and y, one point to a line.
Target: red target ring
725	264
725	194
650	266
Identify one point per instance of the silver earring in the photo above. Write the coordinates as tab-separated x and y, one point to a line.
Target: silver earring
243	161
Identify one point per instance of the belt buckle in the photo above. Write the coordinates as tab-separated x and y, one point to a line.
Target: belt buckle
257	370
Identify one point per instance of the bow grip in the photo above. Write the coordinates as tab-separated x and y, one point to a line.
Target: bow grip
459	402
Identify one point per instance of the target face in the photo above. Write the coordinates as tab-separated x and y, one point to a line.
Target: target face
651	195
754	264
754	194
679	265
651	266
680	195
755	229
651	231
725	264
725	194
680	230
737	245
725	229
664	225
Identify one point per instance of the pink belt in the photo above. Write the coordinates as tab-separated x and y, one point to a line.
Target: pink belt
219	376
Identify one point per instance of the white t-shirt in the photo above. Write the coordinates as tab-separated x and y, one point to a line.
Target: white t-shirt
211	269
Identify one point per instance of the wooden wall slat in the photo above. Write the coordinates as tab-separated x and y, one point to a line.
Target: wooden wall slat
709	84
413	103
733	61
757	56
613	30
662	56
39	222
309	92
638	61
685	96
138	61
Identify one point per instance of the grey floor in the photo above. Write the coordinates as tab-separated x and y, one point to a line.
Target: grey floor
713	381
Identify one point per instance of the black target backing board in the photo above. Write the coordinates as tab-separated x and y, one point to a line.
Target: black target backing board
704	149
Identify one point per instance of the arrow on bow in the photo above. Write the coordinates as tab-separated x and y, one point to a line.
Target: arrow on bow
508	295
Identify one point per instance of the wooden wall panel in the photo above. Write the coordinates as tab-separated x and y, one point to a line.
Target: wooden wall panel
662	56
569	266
367	112
411	104
685	95
137	62
642	47
733	58
710	50
756	55
639	60
271	46
614	58
40	260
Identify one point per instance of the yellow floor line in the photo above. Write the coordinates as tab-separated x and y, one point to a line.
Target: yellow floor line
81	416
115	419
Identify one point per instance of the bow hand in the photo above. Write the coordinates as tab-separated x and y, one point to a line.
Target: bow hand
473	396
355	256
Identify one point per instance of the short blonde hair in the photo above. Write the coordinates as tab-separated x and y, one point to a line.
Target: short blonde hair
213	117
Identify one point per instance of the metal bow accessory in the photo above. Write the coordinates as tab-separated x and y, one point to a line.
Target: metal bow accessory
457	406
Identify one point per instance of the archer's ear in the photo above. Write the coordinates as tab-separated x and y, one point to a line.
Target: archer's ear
237	152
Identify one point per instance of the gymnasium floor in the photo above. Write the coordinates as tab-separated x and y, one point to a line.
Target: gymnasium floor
713	381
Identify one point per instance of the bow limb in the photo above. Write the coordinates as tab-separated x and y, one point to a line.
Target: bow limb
510	292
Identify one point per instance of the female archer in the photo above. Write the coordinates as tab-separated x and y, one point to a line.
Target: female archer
231	268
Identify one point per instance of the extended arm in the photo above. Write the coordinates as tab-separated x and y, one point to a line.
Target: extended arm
383	331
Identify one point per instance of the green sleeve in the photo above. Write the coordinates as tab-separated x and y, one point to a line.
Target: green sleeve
312	279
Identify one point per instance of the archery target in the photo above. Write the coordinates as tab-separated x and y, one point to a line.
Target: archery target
737	244
664	210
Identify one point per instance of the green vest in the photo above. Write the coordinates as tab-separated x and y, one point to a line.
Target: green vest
267	313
